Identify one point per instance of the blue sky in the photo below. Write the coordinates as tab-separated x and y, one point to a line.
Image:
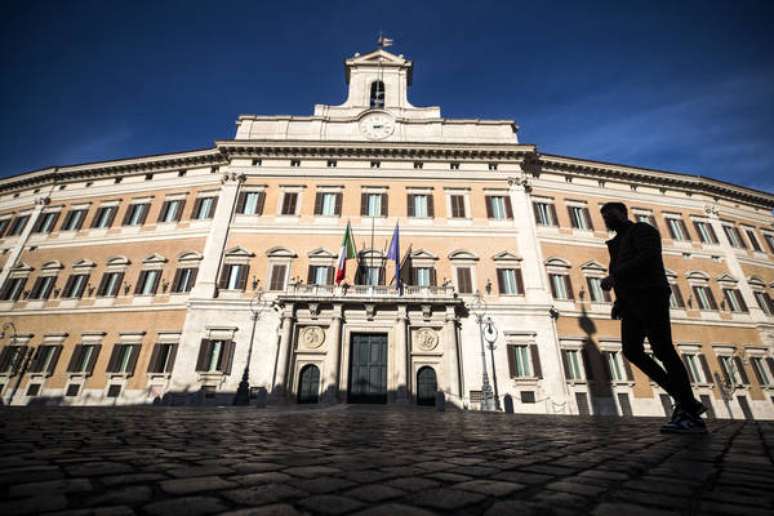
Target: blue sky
682	86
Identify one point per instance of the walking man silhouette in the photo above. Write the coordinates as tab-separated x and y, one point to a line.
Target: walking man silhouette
637	276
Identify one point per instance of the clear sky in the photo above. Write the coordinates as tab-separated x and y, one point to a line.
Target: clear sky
684	86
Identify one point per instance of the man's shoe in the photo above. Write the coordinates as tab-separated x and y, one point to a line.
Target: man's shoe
685	423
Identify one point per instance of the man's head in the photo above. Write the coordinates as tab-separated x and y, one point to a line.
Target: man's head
615	215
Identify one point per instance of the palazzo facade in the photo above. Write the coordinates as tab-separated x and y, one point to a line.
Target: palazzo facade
172	278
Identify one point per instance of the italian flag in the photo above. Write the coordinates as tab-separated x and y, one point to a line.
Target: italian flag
346	252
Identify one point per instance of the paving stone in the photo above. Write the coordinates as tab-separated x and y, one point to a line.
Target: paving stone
91	469
576	488
522	477
374	493
117	510
278	509
412	484
330	504
256	467
323	485
394	509
446	499
260	478
450	477
51	487
195	485
628	509
311	471
190	506
33	505
263	494
132	478
127	495
199	471
490	487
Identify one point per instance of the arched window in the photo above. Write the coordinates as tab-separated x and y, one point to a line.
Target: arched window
377	94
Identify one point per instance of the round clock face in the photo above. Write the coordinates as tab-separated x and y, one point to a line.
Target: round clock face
377	126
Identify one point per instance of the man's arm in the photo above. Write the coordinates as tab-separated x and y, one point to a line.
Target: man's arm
647	242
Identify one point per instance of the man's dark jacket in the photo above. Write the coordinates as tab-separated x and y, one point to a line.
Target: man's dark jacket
635	262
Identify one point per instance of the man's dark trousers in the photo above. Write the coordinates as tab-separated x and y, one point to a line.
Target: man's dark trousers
646	314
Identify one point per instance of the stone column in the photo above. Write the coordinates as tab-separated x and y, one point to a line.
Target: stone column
21	241
401	357
207	277
453	361
279	390
333	359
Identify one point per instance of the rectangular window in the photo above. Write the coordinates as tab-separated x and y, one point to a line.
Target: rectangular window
331	163
204	208
103	219
75	286
114	391
464	280
561	288
580	218
647	218
420	205
46	222
545	213
418	165
320	275
371	275
110	283
72	390
13	289
185	279
695	372
327	204
677	229
764	302
734	237
42	287
509	282
163	358
73	220
729	370
278	277
4	226
454	166
251	203
123	358
17	225
135	214
423	276
498	207
595	290
11	358
83	358
171	211
572	364
734	300
520	358
295	163
676	297
289	201
705	298
234	277
614	365
759	368
769	241
215	356
148	283
753	240
457	206
45	359
706	233
373	205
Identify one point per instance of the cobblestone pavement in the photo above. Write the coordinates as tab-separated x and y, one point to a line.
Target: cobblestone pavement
375	461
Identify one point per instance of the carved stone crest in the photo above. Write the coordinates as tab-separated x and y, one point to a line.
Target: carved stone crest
427	339
312	337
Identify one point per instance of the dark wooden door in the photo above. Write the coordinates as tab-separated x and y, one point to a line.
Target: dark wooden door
309	385
427	385
368	368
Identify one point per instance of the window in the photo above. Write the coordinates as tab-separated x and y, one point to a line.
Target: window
613	365
13	289
72	390
11	358
580	218
545	213
647	218
103	219
278	277
251	203
171	211
694	368
184	279
320	275
677	229
289	201
376	164
75	286
753	239
147	283
423	276
457	206
561	288
770	241
454	165
764	302
215	356
46	222
42	287
114	391
498	207
759	368
109	284
509	282
204	208
572	364
135	214
234	277
83	358
162	358
377	94
332	163
123	359
704	297
734	300
493	166
464	280
418	165
370	275
706	233
595	290
373	204
728	369
420	206
257	162
33	389
73	221
734	238
676	297
17	225
327	204
520	358
295	163
4	226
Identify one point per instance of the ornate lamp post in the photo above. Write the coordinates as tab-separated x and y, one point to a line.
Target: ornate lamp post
242	396
21	363
490	334
478	309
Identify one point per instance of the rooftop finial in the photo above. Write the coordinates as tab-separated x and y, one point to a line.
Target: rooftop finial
384	41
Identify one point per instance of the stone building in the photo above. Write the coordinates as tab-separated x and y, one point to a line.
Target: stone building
162	278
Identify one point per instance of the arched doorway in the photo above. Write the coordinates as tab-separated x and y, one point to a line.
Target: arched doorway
427	385
309	384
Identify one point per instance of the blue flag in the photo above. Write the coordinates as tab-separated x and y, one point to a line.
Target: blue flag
393	253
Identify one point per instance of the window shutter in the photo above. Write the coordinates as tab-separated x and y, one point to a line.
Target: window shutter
56	352
587	216
135	354
36	288
381	275
244	272
671	230
385	211
573	222
93	359
705	367
551	283
95	219
318	202
587	368
224	274
171	358
67	220
192	279
128	214
555	219
508	207
742	372
430	206
197	209
179	214
140	282
156	282
713	235
164	210
410	205
75	358
214	205
433	277
742	302
35	365
627	368
519	282
227	357
176	281
112	211
153	363
310	275
414	276
67	292
536	368
711	297
488	203
102	284
464	280
241	200
363	204
512	361
606	365
204	354
329	280
338	203
568	284
81	290
758	374
536	211
698	231
54	221
500	281
770	363
277	277
724	371
566	365
685	229
113	362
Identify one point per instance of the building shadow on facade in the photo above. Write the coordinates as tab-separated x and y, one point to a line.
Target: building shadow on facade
600	390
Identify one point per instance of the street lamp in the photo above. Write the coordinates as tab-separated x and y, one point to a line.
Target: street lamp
490	334
242	396
21	362
478	309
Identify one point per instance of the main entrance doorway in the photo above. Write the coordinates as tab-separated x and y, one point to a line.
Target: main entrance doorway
368	368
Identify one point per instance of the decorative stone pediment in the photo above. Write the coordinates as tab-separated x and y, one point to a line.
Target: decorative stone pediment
118	260
670	273
84	264
558	262
697	275
239	251
54	265
756	281
726	278
189	256
321	252
154	258
506	256
593	266
280	252
462	254
421	254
